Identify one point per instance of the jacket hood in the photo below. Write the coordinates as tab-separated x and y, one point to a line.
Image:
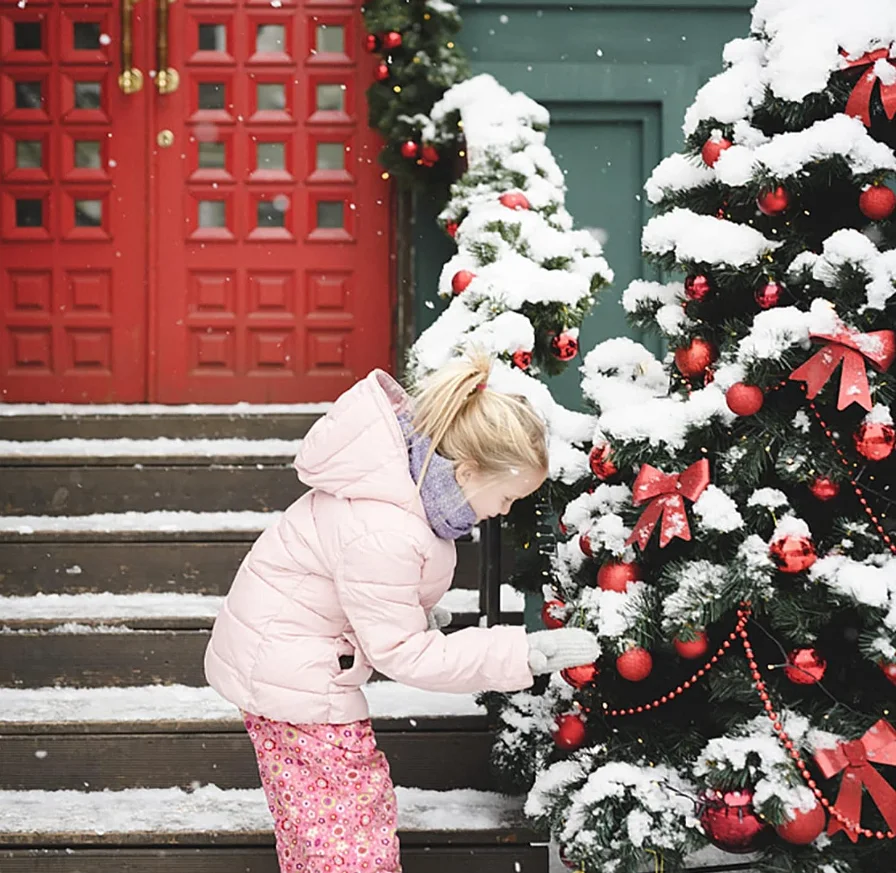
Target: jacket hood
358	450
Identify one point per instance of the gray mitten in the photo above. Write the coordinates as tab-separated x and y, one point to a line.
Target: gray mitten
553	650
438	617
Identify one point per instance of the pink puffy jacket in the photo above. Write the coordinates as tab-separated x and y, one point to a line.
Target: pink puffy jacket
351	568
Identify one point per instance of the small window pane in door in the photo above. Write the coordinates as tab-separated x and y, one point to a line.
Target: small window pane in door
29	154
87	35
27	36
330	98
87	95
272	213
87	154
330	214
211	155
29	213
211	95
271	96
212	213
330	156
212	38
331	38
88	213
270	38
271	156
28	95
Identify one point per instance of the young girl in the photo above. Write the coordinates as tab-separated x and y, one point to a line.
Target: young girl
348	580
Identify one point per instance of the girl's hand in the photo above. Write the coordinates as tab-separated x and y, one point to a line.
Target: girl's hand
438	617
554	650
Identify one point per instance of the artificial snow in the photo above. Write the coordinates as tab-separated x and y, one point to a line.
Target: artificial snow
698	582
162	447
158	521
871	582
717	511
675	173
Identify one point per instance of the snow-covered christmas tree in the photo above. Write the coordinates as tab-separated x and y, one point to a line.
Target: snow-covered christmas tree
734	547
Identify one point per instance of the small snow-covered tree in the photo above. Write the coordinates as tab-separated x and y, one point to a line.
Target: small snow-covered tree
734	548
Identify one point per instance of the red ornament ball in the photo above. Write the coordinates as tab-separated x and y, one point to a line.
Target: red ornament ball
564	347
713	148
391	40
769	295
824	489
793	553
875	440
371	43
381	72
805	666
692	649
635	665
877	202
585	546
888	668
460	281
773	202
694	359
553	614
697	287
564	860
451	229
514	200
429	155
522	359
580	676
569	731
805	827
730	821
618	575
600	461
743	399
409	149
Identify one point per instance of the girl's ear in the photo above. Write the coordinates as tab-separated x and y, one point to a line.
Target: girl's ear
464	471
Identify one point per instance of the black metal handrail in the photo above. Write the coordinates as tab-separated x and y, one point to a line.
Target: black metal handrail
490	571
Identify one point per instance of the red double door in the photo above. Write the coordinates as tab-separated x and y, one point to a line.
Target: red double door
191	209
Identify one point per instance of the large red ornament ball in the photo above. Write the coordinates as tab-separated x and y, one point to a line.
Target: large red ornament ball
570	865
429	155
743	399
618	575
580	676
451	228
805	827
569	731
773	202
552	614
824	489
635	665
793	553
877	202
600	461
692	649
460	281
769	295
697	287
371	43
564	347
805	666
730	821
409	149
694	359
381	72
888	668
585	546
391	40
875	440
522	359
713	148
514	200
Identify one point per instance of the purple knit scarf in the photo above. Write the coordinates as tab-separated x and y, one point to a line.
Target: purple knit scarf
447	510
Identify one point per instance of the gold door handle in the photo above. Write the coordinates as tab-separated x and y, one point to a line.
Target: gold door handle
130	80
167	78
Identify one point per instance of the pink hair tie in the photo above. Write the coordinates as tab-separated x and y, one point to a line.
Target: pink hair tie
481	386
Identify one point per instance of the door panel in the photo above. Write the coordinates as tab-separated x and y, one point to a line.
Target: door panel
72	189
270	218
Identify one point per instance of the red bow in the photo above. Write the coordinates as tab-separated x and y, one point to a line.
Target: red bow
857	758
859	103
849	346
665	493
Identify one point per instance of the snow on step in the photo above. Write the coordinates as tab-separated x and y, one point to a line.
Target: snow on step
459	600
243	410
160	447
235	810
157	521
181	703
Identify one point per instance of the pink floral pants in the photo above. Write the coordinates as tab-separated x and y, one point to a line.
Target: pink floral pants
331	796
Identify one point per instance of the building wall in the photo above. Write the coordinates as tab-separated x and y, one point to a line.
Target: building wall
617	77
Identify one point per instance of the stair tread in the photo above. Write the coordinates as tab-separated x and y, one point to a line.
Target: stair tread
137	410
211	814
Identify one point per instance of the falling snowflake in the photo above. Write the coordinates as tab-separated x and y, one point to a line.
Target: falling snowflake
280	203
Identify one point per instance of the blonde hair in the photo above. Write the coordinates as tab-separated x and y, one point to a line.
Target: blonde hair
467	421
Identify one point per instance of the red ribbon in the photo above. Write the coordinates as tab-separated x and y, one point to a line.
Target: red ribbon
859	103
857	758
851	347
665	493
